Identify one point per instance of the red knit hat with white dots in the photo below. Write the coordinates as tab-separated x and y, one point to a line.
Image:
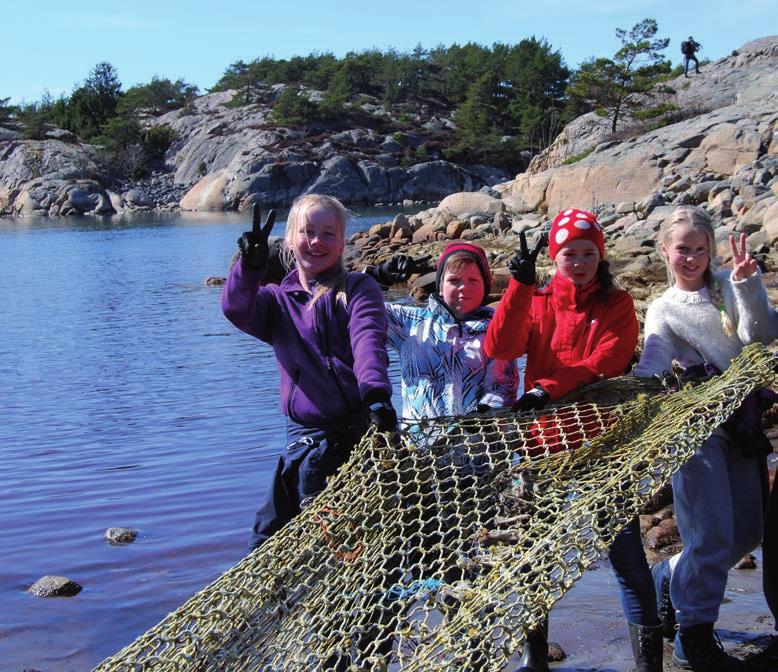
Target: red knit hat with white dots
574	224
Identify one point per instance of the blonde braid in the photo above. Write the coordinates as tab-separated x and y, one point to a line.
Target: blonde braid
717	299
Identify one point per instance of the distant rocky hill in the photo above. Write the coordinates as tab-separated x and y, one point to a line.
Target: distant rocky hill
720	152
228	157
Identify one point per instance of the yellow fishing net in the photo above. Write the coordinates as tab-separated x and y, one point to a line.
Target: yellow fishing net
438	550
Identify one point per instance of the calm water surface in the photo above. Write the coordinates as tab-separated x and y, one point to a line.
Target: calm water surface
126	398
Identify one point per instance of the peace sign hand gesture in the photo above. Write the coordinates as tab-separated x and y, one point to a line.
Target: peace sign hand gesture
743	263
522	266
253	244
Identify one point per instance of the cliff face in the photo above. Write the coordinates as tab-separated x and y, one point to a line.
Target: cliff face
714	145
748	76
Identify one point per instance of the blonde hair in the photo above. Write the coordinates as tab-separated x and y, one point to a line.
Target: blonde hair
697	219
299	214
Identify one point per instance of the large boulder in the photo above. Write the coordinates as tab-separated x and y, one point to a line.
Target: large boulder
527	193
36	175
207	194
474	203
273	184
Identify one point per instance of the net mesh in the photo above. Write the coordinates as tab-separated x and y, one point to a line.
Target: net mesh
440	549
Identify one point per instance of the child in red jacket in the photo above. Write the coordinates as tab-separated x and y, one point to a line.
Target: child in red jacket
575	330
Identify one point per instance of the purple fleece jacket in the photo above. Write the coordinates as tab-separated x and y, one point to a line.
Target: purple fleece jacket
332	358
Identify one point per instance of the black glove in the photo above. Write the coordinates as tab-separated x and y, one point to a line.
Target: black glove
531	400
253	244
381	412
522	266
397	269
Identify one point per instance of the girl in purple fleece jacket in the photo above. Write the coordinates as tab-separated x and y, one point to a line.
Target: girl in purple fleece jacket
328	331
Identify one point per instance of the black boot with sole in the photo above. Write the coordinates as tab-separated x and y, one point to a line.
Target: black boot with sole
535	656
698	648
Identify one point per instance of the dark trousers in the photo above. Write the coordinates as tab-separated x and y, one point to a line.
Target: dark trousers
689	59
630	566
311	456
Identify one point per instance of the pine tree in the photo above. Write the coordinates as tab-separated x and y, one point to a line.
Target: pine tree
622	85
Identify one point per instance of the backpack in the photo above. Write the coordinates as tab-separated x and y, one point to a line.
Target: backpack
684	47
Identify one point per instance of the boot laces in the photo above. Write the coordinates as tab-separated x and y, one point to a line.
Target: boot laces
644	645
710	650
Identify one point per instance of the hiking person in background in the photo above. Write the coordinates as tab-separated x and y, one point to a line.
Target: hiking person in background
327	328
688	49
577	329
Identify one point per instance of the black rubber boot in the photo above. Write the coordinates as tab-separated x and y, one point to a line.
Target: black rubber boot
698	648
535	656
647	646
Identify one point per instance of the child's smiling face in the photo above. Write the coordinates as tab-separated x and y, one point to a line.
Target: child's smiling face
318	242
462	288
688	256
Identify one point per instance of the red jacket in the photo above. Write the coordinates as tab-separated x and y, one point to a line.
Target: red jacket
570	336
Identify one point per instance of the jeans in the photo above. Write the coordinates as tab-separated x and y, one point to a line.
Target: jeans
628	559
689	59
311	456
770	549
718	509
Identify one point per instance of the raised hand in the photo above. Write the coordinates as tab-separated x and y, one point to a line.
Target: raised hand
398	269
522	266
743	264
253	244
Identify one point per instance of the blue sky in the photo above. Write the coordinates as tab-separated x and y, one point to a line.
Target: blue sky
52	46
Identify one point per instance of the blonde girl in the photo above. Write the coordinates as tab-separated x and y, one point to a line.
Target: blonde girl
705	318
327	329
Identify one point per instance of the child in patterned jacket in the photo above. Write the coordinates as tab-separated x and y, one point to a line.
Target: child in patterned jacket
444	368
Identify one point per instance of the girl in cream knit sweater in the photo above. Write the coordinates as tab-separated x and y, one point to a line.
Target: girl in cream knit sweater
706	317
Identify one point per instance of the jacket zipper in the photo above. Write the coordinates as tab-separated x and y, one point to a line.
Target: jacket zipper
324	344
292	392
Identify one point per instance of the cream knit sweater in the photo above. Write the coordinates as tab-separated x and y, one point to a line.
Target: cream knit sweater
686	326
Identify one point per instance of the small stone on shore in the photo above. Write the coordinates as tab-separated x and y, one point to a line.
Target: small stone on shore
748	561
54	586
555	652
